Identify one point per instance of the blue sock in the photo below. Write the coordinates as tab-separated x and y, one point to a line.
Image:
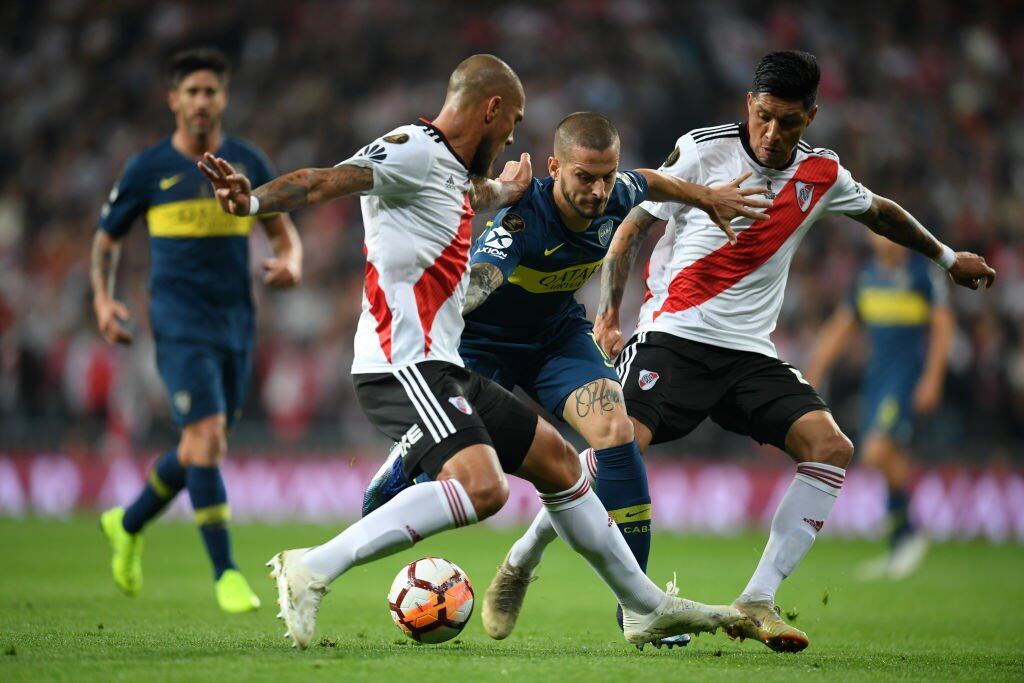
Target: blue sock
899	516
166	479
210	502
622	487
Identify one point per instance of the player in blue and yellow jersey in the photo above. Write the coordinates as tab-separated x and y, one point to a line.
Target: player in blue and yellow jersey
201	310
900	301
525	328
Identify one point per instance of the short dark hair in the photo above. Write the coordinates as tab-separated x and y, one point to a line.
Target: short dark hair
788	75
586	129
183	63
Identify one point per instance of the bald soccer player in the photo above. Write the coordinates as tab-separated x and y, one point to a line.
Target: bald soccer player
419	186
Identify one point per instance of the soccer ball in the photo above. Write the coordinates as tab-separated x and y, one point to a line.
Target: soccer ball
431	600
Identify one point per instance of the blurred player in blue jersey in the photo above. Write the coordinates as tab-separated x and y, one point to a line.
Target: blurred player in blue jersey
525	328
201	310
900	301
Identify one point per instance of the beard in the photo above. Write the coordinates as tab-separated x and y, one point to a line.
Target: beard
482	163
589	212
203	129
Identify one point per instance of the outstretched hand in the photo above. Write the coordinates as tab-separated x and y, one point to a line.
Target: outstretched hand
970	270
729	201
231	188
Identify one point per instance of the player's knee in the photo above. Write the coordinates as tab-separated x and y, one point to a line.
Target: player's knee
615	429
488	497
835	449
204	444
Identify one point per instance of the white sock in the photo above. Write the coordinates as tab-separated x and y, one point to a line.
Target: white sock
583	523
798	519
528	550
414	514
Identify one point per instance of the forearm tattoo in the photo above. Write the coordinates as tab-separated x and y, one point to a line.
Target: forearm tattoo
599	397
620	259
311	185
484	193
105	256
890	220
484	278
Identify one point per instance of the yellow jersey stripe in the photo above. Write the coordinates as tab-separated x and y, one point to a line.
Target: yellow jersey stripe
195	218
878	306
565	280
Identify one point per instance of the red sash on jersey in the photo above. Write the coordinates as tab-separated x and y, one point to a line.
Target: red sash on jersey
721	269
439	281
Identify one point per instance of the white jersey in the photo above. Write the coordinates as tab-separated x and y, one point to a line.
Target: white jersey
418	225
702	288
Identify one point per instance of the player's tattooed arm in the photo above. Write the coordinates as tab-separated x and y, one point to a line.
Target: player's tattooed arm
486	194
614	275
106	252
722	202
484	278
890	220
285	193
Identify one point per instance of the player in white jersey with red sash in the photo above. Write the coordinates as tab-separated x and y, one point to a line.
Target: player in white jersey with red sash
419	185
702	346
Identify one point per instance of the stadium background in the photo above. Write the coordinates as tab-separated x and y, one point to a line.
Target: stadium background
929	115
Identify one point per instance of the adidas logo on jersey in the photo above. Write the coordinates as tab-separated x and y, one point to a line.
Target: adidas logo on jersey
374	152
450	183
647	379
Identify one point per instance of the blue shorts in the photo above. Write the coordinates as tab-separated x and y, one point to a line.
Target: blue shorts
886	409
548	370
203	380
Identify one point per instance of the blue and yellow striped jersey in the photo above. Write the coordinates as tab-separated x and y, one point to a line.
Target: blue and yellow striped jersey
199	255
544	262
895	306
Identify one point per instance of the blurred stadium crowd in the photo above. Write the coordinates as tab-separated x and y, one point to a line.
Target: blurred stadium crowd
923	102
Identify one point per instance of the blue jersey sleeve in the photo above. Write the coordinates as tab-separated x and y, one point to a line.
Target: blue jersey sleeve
127	201
634	186
503	242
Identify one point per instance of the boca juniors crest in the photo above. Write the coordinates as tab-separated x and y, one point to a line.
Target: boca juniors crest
461	404
604	233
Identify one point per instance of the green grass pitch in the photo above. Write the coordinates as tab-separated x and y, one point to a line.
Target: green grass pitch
61	618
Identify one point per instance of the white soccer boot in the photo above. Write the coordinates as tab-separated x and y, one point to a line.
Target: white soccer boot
675	616
299	592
